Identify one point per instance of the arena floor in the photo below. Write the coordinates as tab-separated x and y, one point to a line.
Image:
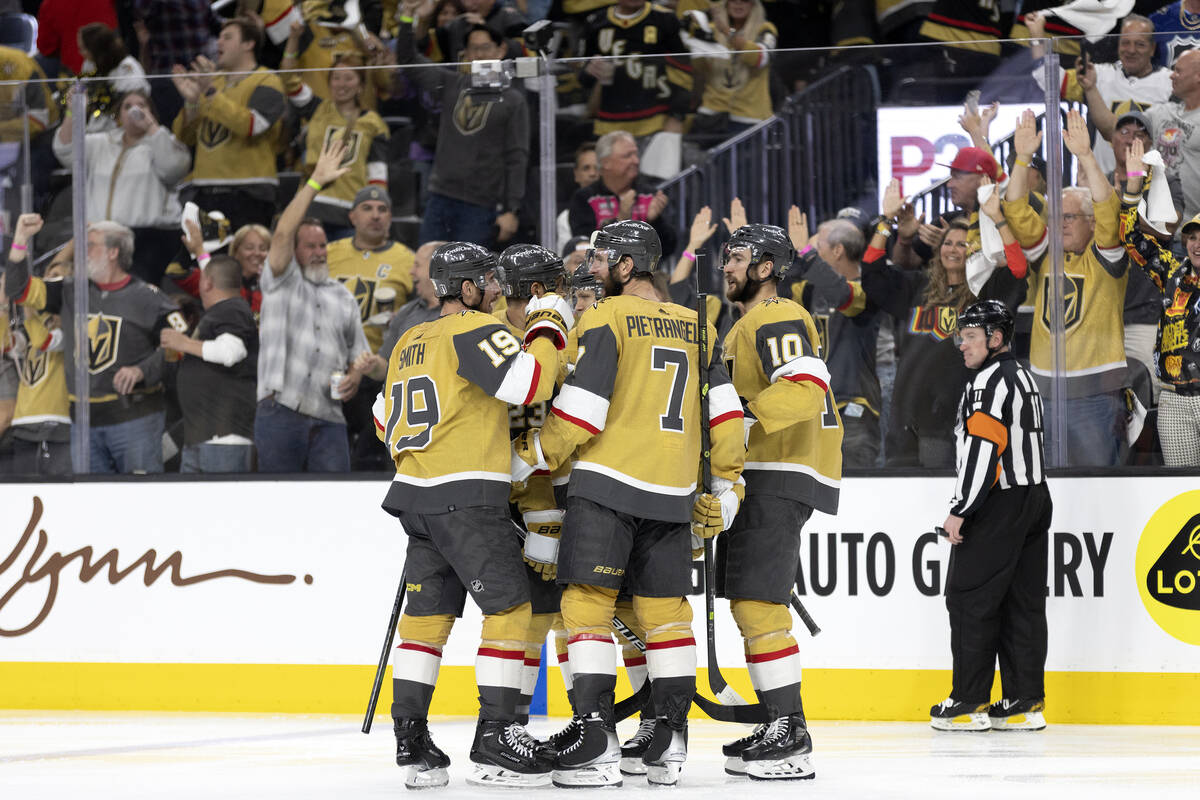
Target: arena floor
51	755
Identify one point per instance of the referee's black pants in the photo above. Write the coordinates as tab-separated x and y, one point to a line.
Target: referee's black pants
996	596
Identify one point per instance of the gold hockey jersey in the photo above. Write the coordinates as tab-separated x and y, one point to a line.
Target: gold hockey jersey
443	413
366	156
795	448
632	408
364	272
232	148
42	390
1093	301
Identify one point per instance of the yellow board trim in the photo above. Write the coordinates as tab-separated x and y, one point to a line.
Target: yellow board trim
1105	698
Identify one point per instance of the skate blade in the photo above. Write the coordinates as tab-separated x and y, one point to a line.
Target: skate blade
418	778
793	768
633	766
664	774
590	776
1029	721
491	775
735	766
965	722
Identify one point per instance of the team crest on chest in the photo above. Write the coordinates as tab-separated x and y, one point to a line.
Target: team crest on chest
212	134
470	116
104	340
1072	301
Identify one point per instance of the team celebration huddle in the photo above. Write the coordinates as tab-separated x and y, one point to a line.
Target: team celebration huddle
643	442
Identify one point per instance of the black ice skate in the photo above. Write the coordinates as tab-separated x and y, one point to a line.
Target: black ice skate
415	749
782	753
557	741
635	747
951	715
505	754
590	760
734	765
666	753
1017	715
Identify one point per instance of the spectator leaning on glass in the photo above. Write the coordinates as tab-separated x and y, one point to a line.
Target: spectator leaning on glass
232	120
132	171
310	333
216	377
365	132
1177	351
125	317
1093	332
478	179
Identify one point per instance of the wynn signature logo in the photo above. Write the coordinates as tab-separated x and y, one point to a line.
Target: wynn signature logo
46	569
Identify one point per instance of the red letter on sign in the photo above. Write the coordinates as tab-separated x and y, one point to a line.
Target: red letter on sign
899	168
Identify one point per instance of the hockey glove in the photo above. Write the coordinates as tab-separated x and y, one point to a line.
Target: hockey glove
549	313
541	543
713	513
527	455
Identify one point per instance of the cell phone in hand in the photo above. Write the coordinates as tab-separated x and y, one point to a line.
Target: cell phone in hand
972	102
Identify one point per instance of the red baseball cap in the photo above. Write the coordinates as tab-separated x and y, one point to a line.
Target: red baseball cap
975	159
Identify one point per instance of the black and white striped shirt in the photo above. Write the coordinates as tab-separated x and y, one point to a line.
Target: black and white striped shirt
998	432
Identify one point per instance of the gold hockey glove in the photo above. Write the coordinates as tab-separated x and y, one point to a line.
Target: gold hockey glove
714	512
549	313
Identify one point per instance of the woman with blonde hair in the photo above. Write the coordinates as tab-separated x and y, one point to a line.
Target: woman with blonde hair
737	91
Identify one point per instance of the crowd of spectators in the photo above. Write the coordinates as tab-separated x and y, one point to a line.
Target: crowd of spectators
259	338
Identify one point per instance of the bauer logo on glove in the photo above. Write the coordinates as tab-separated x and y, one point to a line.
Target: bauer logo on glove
550	314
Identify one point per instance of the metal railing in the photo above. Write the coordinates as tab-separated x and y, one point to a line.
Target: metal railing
817	152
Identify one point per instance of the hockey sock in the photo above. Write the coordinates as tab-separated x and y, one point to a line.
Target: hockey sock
772	655
670	654
535	637
415	663
500	663
587	615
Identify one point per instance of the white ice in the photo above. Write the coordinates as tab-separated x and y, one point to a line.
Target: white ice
60	755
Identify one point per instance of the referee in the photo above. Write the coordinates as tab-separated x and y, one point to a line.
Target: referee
999	523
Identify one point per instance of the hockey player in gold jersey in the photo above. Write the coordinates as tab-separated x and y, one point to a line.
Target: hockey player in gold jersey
632	410
793	465
443	416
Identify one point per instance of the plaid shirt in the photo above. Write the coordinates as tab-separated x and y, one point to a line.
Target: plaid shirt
307	332
180	30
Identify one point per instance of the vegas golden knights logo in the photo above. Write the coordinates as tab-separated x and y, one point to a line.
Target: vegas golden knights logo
1072	301
33	367
470	116
212	134
104	338
947	322
364	293
1172	580
353	140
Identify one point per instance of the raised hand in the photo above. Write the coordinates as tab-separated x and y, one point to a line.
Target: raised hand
737	215
1075	135
329	165
893	201
991	206
1133	161
1027	139
798	228
932	235
702	229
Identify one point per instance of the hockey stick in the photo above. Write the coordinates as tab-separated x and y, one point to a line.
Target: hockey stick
716	681
383	657
805	617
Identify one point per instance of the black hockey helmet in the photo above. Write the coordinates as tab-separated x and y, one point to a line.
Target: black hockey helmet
763	242
583	279
455	262
632	238
526	264
991	315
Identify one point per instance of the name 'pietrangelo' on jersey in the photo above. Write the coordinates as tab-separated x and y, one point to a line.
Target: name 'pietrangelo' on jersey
637	376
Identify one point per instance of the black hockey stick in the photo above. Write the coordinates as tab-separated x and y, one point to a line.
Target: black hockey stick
393	620
805	617
716	681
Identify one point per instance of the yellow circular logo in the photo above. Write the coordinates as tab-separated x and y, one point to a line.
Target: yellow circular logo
1168	567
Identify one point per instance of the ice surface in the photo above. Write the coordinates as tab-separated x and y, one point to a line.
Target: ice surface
60	755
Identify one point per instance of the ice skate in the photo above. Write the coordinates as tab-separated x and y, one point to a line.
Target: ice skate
592	759
563	738
734	765
665	754
783	752
635	747
415	749
505	754
951	715
1017	715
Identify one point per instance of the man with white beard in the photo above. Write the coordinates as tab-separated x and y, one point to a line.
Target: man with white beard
125	316
310	333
